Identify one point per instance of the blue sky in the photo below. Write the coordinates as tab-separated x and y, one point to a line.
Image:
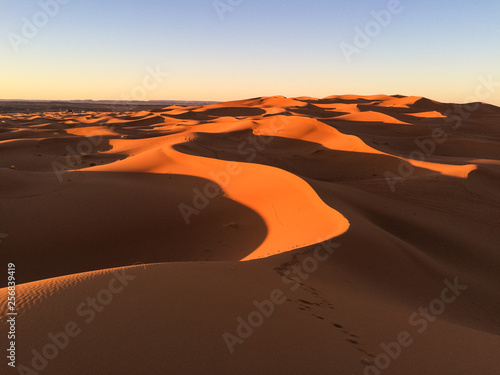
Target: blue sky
104	49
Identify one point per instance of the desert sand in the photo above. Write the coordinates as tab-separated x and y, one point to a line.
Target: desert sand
143	239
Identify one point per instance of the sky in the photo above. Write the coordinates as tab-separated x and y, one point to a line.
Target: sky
235	49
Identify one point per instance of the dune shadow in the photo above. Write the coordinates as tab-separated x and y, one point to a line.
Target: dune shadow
316	112
58	153
211	113
235	111
452	146
303	158
111	219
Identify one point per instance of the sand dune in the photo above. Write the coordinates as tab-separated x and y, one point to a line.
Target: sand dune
370	116
178	219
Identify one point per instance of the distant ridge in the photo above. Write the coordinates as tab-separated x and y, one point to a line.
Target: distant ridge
401	101
28	106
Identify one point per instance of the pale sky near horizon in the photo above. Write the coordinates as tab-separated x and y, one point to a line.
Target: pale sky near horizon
106	49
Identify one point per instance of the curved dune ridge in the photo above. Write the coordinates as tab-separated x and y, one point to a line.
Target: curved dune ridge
382	201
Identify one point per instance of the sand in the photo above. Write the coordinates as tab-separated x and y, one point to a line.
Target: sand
148	237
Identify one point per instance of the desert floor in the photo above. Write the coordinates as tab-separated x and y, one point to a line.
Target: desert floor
344	235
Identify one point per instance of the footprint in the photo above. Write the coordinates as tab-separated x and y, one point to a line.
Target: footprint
337	325
365	352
